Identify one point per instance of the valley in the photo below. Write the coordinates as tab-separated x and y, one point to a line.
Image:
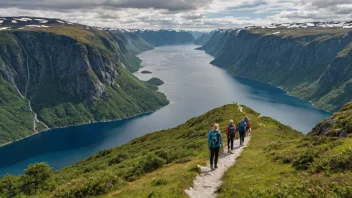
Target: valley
80	118
183	71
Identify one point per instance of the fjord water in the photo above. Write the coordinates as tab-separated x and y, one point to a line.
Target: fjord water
192	85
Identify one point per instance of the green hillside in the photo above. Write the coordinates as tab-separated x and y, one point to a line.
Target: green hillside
311	166
71	74
160	164
278	162
13	108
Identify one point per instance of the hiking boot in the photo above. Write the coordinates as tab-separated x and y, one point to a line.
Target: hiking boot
216	166
211	167
228	151
231	152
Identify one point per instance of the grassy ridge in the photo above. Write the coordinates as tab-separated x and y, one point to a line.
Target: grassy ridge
160	164
281	165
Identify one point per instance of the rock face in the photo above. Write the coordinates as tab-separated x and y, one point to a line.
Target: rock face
69	74
311	63
339	125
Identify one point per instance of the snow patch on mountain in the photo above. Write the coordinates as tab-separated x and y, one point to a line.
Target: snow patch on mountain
39	26
4	28
346	24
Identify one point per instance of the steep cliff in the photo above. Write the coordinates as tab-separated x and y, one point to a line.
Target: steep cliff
312	63
70	74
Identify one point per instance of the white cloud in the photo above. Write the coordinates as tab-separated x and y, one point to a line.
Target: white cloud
185	14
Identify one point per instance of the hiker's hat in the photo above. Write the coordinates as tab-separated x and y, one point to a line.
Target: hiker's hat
231	121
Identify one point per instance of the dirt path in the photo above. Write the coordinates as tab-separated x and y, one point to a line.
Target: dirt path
208	181
240	108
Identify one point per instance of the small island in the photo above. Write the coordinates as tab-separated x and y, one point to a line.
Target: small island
146	72
155	81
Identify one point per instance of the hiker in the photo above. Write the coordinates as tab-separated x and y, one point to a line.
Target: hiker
231	135
242	126
248	128
214	142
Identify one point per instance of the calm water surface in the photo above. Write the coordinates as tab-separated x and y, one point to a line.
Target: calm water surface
191	84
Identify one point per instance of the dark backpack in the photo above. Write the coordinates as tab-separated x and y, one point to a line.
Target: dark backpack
232	130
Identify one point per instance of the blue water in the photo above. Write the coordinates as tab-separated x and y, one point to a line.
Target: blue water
192	85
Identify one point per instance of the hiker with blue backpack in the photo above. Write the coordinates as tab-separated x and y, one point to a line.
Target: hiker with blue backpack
242	128
215	143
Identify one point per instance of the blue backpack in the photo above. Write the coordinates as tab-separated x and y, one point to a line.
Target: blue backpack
242	126
214	138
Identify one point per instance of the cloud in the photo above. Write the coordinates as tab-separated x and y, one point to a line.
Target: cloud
181	14
171	5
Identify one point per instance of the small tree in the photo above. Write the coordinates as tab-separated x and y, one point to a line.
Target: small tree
9	186
36	178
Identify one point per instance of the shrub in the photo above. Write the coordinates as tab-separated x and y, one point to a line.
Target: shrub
336	163
164	155
9	186
36	178
98	184
118	159
304	159
158	182
149	163
103	153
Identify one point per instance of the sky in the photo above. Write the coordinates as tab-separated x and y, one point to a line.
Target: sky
181	14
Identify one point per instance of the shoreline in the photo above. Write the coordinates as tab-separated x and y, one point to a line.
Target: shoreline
88	123
281	88
286	92
94	122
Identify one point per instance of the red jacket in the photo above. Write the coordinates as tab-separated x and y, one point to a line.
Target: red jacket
227	130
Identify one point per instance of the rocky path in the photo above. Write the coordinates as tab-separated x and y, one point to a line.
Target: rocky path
208	181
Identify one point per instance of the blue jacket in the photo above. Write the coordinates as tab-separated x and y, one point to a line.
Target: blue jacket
214	139
242	126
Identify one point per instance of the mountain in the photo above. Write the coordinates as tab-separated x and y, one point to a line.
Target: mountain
311	61
133	41
278	162
54	73
165	37
203	38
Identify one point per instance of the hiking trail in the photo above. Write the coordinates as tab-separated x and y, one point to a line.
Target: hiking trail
208	181
240	108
